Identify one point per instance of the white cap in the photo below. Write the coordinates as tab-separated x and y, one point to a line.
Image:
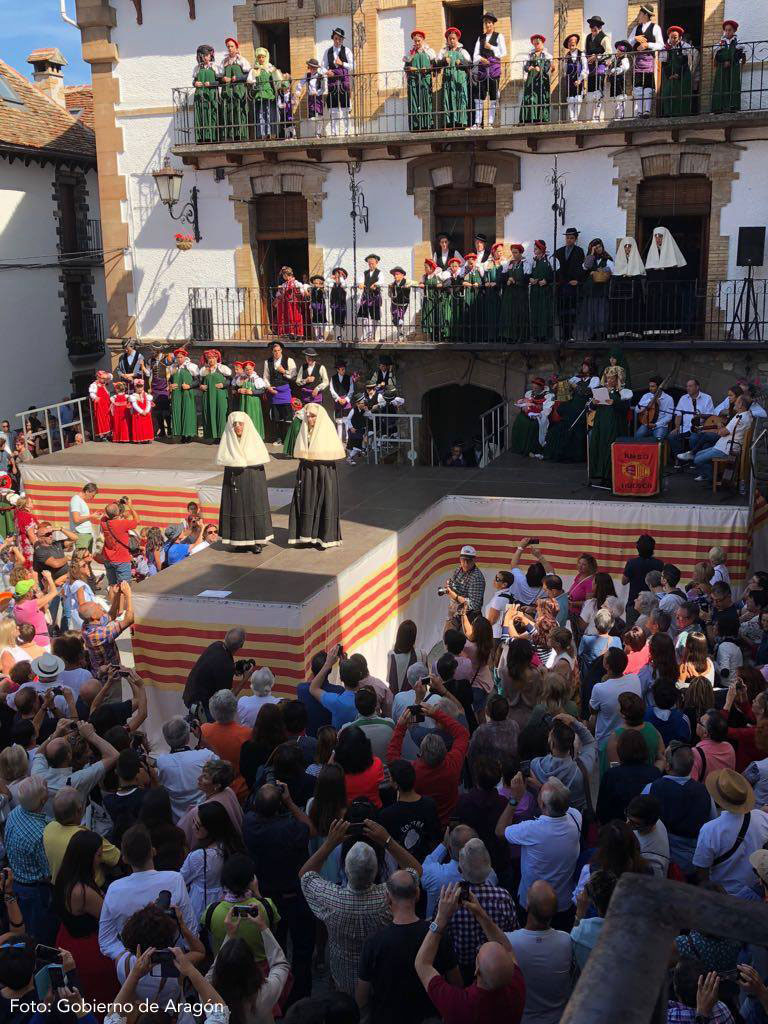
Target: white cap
469	551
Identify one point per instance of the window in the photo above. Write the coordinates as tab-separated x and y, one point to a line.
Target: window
282	216
465	212
274	37
7	93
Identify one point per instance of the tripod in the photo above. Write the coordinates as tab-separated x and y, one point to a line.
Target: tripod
745	311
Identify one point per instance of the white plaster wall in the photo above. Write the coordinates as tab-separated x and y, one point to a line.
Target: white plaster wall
393	227
614	13
394	31
32	324
591	201
752	16
527	17
323	29
749	201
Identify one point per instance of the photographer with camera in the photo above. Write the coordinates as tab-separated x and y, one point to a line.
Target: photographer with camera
117	524
527	587
95	703
216	669
101	630
467	581
53	761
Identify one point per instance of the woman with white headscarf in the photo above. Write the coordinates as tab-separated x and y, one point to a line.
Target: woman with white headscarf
627	291
314	517
245	521
668	295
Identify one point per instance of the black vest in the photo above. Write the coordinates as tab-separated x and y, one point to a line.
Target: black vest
594	44
329	56
341	387
492	39
370	277
647	32
685	807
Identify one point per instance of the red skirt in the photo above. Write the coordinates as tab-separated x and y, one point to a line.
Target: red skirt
101	423
98	978
120	423
142	427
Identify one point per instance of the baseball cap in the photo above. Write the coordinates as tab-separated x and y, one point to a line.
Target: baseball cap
469	551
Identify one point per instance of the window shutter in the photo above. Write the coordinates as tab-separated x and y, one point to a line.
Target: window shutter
678	196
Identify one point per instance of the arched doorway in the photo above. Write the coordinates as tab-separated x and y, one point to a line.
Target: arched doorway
451	414
683	204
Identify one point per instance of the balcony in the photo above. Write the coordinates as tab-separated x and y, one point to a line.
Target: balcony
379	108
81	242
648	315
85	337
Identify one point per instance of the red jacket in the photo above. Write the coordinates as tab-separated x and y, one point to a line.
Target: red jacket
442	781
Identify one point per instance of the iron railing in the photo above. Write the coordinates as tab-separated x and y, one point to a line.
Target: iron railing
85	339
494	433
58	423
393	435
401	102
84	240
623	310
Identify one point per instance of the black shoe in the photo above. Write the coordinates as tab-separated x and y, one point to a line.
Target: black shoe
257	549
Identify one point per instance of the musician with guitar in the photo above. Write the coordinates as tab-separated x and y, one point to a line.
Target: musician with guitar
705	430
655	411
693	403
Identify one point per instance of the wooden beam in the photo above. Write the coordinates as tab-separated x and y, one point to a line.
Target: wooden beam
579	139
191	160
270	156
314	154
628	136
355	153
437	147
234	158
532	143
393	151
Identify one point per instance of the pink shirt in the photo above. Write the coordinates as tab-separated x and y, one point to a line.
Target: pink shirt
27	611
480	676
718	755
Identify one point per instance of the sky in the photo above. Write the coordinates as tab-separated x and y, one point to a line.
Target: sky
27	25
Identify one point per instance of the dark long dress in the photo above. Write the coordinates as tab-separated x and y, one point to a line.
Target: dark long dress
206	105
535	108
626	306
676	84
566	437
540	298
610	423
420	100
314	515
726	88
244	515
514	322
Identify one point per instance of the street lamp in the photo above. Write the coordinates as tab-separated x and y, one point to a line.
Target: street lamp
168	181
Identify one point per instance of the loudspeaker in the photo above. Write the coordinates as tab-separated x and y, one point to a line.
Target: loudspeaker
751	247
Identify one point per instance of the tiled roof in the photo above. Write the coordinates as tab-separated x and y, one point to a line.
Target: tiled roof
38	124
47	53
80	97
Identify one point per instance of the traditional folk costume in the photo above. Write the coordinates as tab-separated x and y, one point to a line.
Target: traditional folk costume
318	312
540	295
456	63
610	422
100	399
430	302
250	388
627	292
676	80
593	316
399	299
566	437
575	75
205	79
646	40
357	426
570	261
312	378
183	378
670	297
130	365
340	387
245	520
514	319
338	64
535	108
214	385
338	301
618	78
493	278
161	397
288	304
264	81
234	96
469	326
490	47
419	72
8	500
295	427
441	255
452	301
529	431
120	415
728	59
279	371
314	85
285	108
142	426
369	309
597	50
314	515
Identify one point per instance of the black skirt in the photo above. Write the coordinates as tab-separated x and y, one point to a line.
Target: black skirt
314	517
244	516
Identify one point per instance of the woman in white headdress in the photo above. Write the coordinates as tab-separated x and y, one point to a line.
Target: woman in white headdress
245	521
314	516
668	294
627	291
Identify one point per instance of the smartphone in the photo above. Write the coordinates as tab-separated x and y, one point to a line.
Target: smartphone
248	910
356	830
463	891
164	958
425	681
47	954
417	715
534	541
164	899
525	769
56	976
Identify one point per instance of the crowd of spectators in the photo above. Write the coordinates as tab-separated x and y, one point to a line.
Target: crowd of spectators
440	841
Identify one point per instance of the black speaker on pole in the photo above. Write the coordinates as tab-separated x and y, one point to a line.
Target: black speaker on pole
751	247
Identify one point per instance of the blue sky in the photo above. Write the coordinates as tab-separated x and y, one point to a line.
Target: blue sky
29	24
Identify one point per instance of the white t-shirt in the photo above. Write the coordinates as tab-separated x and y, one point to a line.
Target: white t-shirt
201	546
499	602
605	701
179	773
737	427
549	851
127	895
718	836
520	590
248	708
545	958
74	679
77	504
654	848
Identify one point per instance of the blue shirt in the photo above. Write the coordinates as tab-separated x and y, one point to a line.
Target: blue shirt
175	552
341	706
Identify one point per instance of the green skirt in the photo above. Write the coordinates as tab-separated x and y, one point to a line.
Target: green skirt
290	437
251	405
524	436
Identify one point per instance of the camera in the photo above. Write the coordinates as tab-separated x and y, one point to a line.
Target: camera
533	541
442	591
57	691
192	720
525	769
124	500
356	830
244	665
48	954
249	910
167	963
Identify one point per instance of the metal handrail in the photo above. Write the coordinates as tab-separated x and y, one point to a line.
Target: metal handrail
46	410
383	442
494	433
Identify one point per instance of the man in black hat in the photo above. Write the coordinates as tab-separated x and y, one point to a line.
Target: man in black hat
338	301
369	309
647	39
338	63
340	388
481	251
315	85
490	49
399	299
312	378
358	425
158	371
445	252
569	275
597	48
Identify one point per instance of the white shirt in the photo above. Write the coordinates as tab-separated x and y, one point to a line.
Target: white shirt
201	872
179	773
499	50
127	895
684	408
248	708
521	592
737	428
550	850
654	848
83	780
605	701
74	679
666	407
720	574
77	504
499	602
545	958
718	836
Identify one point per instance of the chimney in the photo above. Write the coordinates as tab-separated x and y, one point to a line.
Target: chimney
47	64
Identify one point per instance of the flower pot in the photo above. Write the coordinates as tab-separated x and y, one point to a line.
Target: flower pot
184	244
